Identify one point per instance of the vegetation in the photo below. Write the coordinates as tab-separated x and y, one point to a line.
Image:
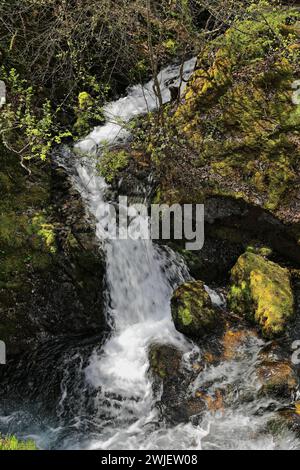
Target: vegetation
262	291
234	133
236	129
192	310
60	61
112	163
12	443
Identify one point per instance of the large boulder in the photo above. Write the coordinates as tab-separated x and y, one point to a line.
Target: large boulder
192	310
261	290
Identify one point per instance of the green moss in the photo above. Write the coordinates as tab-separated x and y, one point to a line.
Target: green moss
262	291
112	163
27	236
264	251
237	123
184	314
192	310
12	443
164	360
45	231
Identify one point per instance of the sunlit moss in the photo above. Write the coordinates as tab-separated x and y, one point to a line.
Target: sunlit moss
12	443
192	310
262	290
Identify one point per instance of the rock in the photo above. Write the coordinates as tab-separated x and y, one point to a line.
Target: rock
164	360
192	310
51	269
287	419
262	291
277	378
170	385
232	342
239	128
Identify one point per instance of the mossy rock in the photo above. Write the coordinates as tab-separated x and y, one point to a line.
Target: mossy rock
165	360
237	124
50	265
192	310
261	290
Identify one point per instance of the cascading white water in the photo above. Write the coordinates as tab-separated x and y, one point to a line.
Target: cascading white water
140	280
138	284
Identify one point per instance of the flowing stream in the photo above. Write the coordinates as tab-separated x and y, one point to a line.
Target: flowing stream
140	280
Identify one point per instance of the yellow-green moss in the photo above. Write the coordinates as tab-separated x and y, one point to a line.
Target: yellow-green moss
262	291
112	163
192	310
12	443
46	231
237	117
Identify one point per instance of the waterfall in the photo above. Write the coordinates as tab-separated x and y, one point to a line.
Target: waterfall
140	281
107	399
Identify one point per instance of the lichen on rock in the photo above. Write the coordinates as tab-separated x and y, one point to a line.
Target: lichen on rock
192	310
262	291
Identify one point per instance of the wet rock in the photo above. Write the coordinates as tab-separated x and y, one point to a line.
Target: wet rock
192	310
232	341
170	385
164	360
262	291
212	403
51	269
277	378
288	418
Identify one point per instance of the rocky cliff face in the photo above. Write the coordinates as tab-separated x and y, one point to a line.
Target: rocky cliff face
51	269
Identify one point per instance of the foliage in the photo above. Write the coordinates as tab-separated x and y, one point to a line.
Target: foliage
25	129
112	162
12	443
61	61
235	132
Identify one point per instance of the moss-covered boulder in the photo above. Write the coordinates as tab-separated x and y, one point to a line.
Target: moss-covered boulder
192	310
238	112
261	290
164	360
